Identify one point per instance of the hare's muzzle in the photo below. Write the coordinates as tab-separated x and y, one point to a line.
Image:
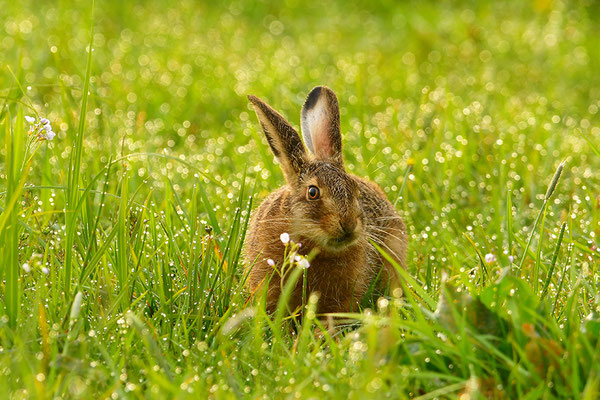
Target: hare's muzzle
348	227
346	234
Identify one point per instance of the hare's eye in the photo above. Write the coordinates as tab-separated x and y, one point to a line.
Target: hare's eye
312	193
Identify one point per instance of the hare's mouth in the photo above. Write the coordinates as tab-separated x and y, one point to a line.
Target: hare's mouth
342	241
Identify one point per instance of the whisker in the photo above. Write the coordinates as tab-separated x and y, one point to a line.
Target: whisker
290	220
385	232
389	217
388	249
386	229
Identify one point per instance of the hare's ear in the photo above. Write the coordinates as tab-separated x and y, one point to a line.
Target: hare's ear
283	139
321	124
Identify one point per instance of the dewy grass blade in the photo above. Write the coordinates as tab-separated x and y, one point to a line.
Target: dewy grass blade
15	177
554	257
209	209
538	258
549	193
9	236
17	169
236	248
509	223
75	169
484	271
94	230
568	265
409	168
122	242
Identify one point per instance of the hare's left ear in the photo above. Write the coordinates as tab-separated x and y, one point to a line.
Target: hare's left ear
283	139
321	124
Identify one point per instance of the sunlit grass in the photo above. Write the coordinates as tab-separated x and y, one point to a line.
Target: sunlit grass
121	240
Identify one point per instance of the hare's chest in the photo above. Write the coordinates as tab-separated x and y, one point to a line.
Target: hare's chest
340	282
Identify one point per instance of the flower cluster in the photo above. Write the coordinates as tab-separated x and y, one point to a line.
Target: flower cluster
41	129
300	260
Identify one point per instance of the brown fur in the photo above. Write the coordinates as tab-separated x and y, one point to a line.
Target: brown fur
350	212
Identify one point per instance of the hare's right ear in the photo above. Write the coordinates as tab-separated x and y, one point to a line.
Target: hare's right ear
283	139
321	125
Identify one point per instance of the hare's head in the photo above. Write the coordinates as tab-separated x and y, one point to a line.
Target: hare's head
323	197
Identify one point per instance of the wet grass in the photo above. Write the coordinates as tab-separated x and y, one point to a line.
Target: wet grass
120	239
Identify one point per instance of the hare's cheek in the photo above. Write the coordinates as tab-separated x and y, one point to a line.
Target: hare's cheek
329	223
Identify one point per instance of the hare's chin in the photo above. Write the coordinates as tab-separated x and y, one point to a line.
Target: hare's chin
339	245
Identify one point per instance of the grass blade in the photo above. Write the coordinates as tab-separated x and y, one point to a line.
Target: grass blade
75	169
554	257
549	192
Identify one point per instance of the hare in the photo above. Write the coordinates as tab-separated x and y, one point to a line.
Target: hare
324	208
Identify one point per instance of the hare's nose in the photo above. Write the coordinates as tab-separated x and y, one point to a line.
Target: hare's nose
348	226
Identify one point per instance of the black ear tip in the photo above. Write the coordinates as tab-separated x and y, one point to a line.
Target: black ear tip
312	98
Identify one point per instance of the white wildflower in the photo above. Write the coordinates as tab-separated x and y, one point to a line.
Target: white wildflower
285	238
303	263
45	270
271	262
26	267
490	258
29	119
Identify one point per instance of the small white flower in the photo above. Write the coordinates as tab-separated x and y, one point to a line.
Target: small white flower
29	119
303	263
271	262
45	270
490	258
47	127
297	258
511	258
285	238
45	121
26	267
50	135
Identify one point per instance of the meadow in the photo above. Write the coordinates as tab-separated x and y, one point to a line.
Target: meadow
121	238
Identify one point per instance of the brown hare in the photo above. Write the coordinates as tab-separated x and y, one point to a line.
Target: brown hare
323	208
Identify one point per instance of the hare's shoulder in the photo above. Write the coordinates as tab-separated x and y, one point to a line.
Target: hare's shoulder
270	218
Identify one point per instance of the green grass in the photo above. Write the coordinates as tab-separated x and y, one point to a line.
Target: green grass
132	219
